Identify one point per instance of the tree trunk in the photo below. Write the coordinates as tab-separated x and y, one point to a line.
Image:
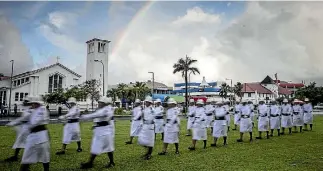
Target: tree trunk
186	94
92	105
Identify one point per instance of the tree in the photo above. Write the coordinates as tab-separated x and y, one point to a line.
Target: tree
113	93
184	66
55	97
315	94
92	89
122	90
224	90
141	90
77	92
237	90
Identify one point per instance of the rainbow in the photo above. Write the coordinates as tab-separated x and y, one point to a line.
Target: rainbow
121	38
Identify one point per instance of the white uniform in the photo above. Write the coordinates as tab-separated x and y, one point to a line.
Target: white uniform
274	117
308	116
199	126
245	120
209	110
136	121
227	116
252	114
147	133
172	126
22	130
159	120
263	119
37	143
297	115
103	132
72	131
191	113
220	128
237	114
286	112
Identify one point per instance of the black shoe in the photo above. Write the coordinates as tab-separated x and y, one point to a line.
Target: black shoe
110	165
177	152
188	135
271	135
282	133
11	159
148	157
267	136
128	142
213	145
86	165
60	153
162	153
79	150
225	144
239	140
191	148
258	138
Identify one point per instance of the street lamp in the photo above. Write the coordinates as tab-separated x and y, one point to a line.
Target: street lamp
152	90
230	90
9	107
102	73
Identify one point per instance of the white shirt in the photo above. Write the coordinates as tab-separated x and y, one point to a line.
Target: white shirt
286	109
297	108
191	111
149	115
245	110
159	110
136	113
274	110
209	109
220	112
237	108
104	114
73	113
307	108
172	119
263	110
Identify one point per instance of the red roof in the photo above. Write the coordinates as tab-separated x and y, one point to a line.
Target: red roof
291	85
284	91
253	87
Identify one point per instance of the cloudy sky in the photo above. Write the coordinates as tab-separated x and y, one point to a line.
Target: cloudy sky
244	41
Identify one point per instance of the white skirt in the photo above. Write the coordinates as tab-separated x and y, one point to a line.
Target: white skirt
102	144
190	121
228	118
308	118
286	121
199	133
22	134
209	121
236	119
135	128
263	124
37	148
147	136
71	133
159	125
171	137
275	122
252	116
245	125
298	120
220	129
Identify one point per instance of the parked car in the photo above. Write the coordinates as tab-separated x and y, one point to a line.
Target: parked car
319	106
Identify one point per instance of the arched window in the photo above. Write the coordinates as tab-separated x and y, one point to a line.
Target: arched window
55	82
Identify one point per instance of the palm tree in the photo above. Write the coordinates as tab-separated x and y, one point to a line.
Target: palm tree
184	66
225	88
122	90
113	92
237	89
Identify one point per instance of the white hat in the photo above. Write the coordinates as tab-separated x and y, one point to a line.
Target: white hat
137	101
149	99
219	102
158	101
105	100
244	101
307	100
285	101
71	100
209	100
200	101
171	101
192	101
36	99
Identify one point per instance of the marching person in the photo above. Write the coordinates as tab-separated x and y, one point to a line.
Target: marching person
297	116
220	128
199	126
190	115
103	135
274	118
308	115
147	133
37	148
263	119
236	114
286	120
227	116
71	131
209	110
22	131
252	115
245	121
136	121
171	127
159	119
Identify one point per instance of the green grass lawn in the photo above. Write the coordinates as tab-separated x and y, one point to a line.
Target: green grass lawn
300	151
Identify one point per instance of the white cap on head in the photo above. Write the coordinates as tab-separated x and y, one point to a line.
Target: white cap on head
171	101
137	101
285	101
200	101
219	102
191	100
149	99
71	100
307	100
157	101
209	100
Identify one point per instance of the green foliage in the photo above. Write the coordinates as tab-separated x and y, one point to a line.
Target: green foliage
56	97
224	90
311	91
237	90
91	89
119	111
138	90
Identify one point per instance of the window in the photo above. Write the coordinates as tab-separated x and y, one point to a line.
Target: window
16	97
26	94
91	48
22	81
249	94
27	79
21	96
55	82
101	47
18	82
15	83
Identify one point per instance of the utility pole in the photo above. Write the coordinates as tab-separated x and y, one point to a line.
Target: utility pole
152	90
9	107
231	90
